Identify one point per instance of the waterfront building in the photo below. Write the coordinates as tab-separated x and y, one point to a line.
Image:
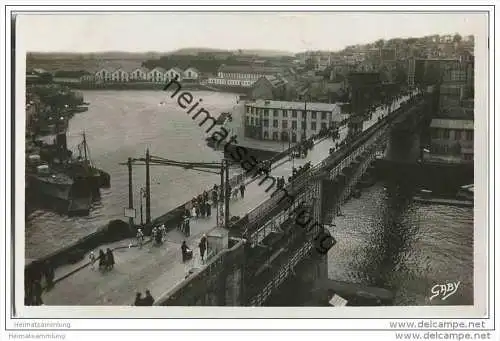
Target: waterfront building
120	76
174	72
288	121
103	75
242	76
191	73
157	75
139	74
452	141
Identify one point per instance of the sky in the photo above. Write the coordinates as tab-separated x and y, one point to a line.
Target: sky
291	31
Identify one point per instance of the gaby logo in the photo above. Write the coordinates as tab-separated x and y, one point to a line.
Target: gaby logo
444	290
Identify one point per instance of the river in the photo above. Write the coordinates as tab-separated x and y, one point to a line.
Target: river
382	240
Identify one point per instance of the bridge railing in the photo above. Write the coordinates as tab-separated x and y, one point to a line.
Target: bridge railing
264	210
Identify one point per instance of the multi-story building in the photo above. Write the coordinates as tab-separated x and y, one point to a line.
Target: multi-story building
191	73
120	75
103	75
157	75
139	74
452	141
288	121
174	73
242	76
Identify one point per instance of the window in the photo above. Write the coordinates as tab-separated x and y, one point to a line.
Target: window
313	115
457	134
469	135
294	124
275	136
284	124
294	137
252	120
249	110
275	123
284	113
266	122
323	125
294	113
266	112
275	112
323	115
446	133
313	125
248	120
469	157
266	135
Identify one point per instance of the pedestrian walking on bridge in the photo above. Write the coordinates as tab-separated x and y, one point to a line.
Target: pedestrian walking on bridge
203	246
242	190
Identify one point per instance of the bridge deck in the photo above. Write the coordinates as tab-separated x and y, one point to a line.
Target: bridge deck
159	268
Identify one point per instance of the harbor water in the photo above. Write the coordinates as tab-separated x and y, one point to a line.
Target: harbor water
382	239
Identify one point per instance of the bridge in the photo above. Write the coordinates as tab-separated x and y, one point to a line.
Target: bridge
273	239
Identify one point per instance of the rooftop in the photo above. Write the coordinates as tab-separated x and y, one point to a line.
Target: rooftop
446	123
250	69
293	105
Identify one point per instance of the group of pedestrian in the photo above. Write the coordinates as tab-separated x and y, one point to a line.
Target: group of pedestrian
199	207
187	253
106	260
147	300
159	234
301	170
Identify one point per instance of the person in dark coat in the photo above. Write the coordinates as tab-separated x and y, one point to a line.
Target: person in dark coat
202	208
139	301
215	197
49	275
110	259
148	300
203	246
186	252
102	259
242	190
208	208
37	292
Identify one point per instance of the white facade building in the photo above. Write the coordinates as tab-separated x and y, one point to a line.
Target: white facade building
120	76
139	74
157	75
191	73
103	75
174	72
282	120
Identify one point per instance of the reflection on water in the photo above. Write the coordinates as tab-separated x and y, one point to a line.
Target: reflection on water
386	241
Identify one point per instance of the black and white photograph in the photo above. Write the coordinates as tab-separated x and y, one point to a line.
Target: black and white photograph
251	159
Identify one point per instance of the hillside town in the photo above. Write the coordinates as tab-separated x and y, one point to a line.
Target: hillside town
316	77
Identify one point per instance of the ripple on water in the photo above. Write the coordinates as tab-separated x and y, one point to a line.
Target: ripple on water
407	248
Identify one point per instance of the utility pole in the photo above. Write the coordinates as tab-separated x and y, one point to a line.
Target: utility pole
227	196
130	193
148	189
222	191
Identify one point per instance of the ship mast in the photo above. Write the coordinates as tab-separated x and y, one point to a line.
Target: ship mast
85	146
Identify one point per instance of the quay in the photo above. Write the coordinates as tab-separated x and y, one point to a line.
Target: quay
270	241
